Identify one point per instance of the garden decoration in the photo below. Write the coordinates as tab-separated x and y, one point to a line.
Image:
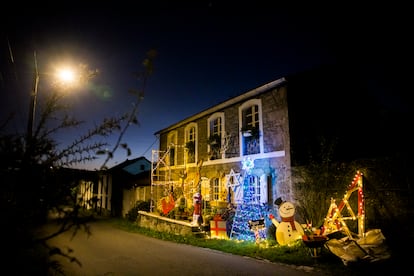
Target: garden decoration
228	216
313	240
288	230
362	247
181	208
167	203
233	181
197	218
218	228
256	226
248	220
335	221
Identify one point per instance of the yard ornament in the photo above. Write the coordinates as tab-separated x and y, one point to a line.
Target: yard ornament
167	204
288	230
197	218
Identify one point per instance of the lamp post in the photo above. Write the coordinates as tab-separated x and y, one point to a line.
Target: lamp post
32	104
66	77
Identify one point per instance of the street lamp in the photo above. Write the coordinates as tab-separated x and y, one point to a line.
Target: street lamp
66	76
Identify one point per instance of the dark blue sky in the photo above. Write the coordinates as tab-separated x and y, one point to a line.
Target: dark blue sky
207	53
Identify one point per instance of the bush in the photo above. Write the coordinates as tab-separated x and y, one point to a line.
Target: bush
140	205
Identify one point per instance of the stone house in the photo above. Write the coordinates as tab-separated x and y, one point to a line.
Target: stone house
275	127
265	136
209	151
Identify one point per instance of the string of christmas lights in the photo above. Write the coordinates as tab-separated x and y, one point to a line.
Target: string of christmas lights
249	209
335	221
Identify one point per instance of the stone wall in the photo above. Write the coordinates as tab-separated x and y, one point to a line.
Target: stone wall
166	225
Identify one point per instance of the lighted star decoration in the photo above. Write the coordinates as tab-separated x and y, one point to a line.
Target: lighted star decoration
232	179
248	164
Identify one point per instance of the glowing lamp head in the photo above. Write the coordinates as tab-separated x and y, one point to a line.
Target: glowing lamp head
66	75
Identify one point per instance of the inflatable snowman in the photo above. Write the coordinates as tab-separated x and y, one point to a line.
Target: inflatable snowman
288	230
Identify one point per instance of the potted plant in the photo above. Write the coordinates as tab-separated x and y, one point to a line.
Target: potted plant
180	211
215	145
250	131
214	140
190	146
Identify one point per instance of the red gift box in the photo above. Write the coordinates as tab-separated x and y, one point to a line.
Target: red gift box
218	229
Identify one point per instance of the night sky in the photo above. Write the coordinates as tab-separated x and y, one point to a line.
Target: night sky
207	51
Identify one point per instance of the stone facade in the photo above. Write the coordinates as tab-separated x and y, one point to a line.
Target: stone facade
270	152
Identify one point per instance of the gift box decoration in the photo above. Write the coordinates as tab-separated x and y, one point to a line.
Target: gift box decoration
218	229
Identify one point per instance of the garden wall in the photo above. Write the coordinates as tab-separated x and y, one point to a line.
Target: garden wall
166	225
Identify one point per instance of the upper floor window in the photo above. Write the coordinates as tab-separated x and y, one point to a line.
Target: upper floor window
215	135
171	142
191	142
250	118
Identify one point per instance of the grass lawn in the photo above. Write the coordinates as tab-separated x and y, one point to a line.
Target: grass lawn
297	254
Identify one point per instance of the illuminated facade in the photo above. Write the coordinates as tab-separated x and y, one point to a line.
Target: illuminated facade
201	152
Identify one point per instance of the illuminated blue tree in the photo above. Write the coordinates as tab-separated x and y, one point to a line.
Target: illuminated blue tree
248	223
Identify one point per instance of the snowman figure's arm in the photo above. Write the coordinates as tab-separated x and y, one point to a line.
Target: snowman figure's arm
274	221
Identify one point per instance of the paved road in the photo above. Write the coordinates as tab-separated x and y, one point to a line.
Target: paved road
111	251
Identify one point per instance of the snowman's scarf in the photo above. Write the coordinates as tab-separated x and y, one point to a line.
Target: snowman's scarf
291	220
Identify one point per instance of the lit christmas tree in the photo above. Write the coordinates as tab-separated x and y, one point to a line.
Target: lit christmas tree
248	222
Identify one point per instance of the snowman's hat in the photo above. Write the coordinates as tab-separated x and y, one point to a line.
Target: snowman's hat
278	201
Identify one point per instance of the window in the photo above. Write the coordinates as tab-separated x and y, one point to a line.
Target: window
215	126
257	189
191	142
215	135
251	127
171	142
216	189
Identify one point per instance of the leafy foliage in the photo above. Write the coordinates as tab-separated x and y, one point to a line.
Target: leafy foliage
140	205
386	188
215	146
190	145
253	131
214	140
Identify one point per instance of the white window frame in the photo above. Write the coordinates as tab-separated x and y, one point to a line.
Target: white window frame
194	138
220	131
172	142
244	106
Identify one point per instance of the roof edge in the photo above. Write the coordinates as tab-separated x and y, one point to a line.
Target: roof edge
224	104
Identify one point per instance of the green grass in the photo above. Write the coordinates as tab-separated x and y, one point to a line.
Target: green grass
296	254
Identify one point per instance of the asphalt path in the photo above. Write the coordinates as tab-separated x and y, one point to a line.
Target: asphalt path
112	251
